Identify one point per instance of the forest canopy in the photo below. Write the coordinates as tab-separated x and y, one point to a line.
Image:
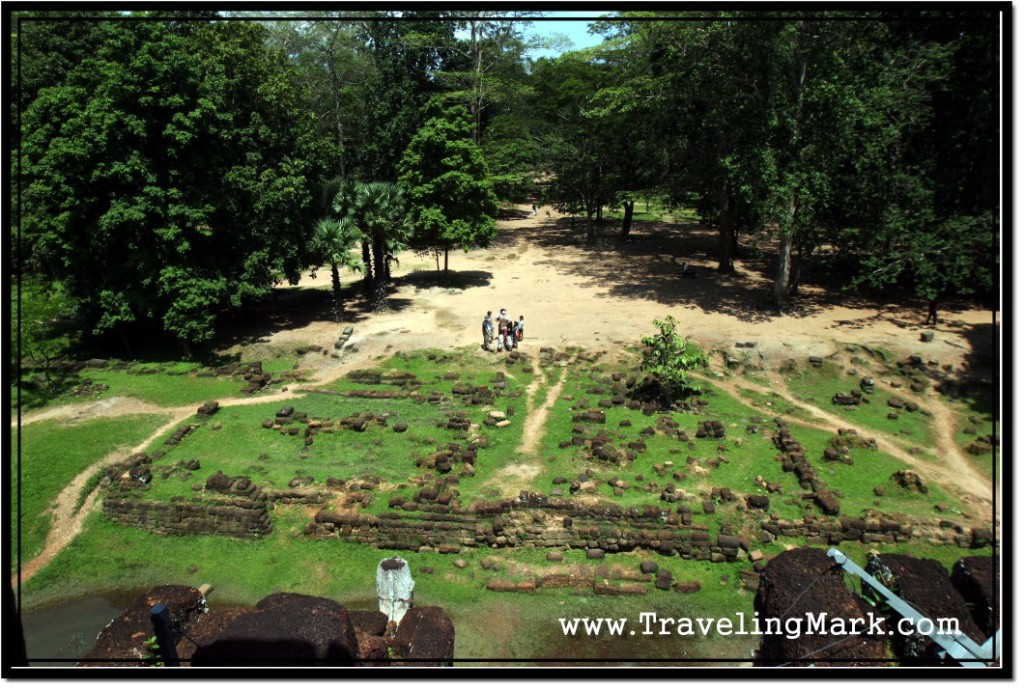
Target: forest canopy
170	169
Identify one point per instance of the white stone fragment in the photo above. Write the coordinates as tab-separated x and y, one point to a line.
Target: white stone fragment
394	588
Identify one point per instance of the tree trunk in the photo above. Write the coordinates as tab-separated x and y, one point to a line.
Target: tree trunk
185	347
336	286
724	250
794	277
779	291
600	213
446	260
124	342
339	128
475	101
379	299
368	271
627	219
591	229
725	234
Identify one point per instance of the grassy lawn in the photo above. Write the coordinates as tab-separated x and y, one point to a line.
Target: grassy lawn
975	418
653	210
109	556
488	624
236	443
817	386
52	454
160	383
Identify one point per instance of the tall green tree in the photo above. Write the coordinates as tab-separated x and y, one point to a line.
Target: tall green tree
331	66
332	242
451	200
490	56
921	208
47	46
407	51
823	130
378	211
701	79
169	176
576	150
626	111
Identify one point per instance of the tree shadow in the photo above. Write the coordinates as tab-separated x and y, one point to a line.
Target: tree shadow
977	382
513	214
294	307
675	264
439	279
669	263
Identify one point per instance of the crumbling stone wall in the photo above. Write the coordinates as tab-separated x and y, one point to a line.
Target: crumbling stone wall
233	517
531	521
794	459
877	530
232	506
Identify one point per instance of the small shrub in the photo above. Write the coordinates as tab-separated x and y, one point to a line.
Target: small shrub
667	358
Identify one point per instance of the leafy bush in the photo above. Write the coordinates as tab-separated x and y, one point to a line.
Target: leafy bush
667	358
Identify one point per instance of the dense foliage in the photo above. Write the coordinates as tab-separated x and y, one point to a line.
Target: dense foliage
452	204
170	169
169	174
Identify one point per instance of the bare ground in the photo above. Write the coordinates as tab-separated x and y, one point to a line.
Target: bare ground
601	297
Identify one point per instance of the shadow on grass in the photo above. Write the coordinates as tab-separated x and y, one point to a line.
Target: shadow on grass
977	383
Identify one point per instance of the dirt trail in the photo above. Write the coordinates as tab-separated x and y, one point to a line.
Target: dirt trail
513	478
597	297
76	412
538	415
954	473
66	523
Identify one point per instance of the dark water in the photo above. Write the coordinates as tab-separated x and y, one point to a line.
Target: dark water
62	633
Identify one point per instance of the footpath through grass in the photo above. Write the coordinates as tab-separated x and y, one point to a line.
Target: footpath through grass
52	453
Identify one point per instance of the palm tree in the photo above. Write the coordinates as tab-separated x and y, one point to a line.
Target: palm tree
333	239
378	210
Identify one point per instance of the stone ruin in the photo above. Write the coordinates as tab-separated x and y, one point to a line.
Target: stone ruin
793	458
281	630
806	581
839	446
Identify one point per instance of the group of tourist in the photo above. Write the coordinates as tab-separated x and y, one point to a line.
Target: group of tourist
509	332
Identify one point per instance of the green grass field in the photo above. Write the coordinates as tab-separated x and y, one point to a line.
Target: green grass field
108	556
52	453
